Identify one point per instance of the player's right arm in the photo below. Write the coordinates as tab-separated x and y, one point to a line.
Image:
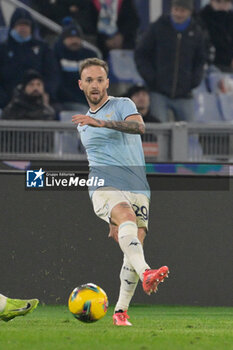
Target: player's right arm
132	125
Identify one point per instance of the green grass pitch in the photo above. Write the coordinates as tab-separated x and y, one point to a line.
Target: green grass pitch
154	327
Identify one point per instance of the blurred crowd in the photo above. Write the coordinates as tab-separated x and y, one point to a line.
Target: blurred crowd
173	56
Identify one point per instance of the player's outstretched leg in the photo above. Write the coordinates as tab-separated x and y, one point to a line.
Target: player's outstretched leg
152	278
11	308
129	280
133	249
131	246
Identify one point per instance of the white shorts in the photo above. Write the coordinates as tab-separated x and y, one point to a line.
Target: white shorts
104	199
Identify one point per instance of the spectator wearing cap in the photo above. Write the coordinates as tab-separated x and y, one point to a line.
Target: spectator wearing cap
23	51
217	19
69	51
139	94
170	57
30	101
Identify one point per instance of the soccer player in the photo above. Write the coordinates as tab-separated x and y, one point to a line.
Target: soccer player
11	308
110	133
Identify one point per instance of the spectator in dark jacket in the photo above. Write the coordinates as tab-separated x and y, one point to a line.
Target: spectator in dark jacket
217	19
113	22
30	101
170	57
139	94
69	51
22	51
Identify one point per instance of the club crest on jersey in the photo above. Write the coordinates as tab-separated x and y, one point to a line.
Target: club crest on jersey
109	115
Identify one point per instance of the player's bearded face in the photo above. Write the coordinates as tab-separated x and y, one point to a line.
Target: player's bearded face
94	83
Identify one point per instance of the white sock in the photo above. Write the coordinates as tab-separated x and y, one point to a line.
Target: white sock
3	300
129	280
131	247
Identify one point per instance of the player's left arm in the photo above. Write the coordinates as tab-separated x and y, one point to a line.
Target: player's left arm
133	124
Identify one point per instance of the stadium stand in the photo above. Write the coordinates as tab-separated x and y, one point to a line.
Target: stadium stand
214	98
123	68
70	143
207	108
213	81
226	106
122	71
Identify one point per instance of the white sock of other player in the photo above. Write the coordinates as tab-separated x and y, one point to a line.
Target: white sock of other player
129	281
131	247
3	300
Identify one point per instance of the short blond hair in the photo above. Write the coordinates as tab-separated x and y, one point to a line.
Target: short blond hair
88	62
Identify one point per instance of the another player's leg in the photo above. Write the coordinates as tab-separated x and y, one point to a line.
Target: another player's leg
11	308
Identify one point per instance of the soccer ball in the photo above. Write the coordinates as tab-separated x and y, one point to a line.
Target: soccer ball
88	303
